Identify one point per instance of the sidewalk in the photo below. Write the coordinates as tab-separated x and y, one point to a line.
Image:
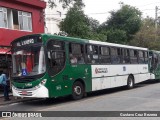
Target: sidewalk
13	99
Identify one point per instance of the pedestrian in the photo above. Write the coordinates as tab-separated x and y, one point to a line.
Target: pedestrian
3	82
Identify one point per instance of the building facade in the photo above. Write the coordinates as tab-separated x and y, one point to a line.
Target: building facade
53	16
18	18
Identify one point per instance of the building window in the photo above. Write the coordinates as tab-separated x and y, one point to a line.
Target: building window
3	17
14	19
25	20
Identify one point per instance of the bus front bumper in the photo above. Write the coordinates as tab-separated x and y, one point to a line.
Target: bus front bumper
37	92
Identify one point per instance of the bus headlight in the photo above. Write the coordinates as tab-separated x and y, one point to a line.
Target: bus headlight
43	82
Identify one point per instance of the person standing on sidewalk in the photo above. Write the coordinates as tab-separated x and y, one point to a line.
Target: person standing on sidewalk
3	82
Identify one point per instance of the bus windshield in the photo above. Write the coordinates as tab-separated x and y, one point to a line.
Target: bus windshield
28	61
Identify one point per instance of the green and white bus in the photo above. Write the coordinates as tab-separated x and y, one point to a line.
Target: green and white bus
155	63
50	66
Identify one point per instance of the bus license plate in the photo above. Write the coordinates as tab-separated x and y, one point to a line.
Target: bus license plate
24	92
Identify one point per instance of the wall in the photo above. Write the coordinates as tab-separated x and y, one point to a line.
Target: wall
53	16
36	9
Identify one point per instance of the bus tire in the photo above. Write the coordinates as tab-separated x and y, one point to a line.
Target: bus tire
77	90
130	82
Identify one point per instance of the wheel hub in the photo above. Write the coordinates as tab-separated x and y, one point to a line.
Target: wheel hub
77	90
130	83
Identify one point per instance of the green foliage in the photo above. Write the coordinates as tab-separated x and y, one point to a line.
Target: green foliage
119	28
117	36
122	24
76	23
94	24
147	36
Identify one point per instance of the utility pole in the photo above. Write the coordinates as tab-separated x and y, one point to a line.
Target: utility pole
156	16
156	21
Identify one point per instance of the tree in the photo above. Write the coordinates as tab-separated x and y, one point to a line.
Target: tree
147	36
119	36
94	24
76	22
126	21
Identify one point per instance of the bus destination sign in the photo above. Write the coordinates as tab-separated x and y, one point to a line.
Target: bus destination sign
27	41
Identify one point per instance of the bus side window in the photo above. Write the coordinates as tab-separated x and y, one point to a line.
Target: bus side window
141	57
146	57
155	61
134	56
104	55
115	55
76	53
92	54
125	56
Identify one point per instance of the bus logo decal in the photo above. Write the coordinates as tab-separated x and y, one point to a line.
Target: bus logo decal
101	70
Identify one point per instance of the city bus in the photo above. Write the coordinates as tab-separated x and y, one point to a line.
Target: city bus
155	63
50	66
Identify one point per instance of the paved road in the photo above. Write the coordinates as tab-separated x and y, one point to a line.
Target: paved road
144	97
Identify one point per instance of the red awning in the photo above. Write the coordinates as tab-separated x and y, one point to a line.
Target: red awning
5	51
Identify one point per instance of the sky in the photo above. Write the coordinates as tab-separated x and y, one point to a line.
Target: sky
99	9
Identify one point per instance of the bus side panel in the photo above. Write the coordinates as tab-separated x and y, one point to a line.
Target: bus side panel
157	72
109	76
154	64
62	83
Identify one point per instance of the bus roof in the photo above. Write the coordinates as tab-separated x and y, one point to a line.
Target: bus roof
73	39
117	45
95	42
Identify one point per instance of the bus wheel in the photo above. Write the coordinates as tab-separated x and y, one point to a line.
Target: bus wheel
77	90
130	82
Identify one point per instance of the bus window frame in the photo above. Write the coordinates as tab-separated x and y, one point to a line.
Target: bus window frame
143	52
105	55
47	61
17	78
83	54
86	54
123	56
131	57
119	56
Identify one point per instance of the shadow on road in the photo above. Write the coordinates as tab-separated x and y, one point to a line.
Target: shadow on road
67	99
